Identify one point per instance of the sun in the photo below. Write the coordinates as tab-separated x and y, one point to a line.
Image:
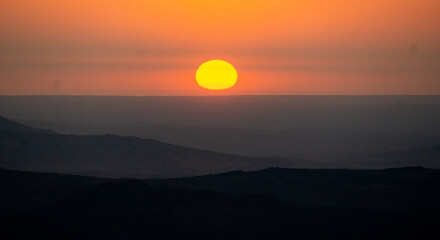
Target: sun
216	75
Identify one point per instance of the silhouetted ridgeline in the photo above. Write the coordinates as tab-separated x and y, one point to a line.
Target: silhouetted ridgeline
400	189
93	208
10	126
20	191
115	156
342	130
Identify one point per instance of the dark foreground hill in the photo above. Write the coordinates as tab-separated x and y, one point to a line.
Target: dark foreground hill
21	191
115	156
400	189
133	209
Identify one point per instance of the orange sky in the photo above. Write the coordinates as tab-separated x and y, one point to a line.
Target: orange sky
143	47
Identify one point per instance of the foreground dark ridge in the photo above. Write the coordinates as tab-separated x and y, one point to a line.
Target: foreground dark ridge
398	189
93	208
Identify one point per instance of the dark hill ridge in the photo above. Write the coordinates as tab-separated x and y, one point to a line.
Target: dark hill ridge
11	126
402	189
398	189
132	209
20	191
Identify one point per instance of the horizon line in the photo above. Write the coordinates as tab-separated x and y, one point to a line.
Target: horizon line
216	95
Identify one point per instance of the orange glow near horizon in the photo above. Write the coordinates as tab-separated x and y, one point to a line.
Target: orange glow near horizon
146	47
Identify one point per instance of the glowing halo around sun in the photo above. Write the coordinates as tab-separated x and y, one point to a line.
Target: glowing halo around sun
216	75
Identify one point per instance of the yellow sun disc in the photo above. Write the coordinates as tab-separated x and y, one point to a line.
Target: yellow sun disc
216	75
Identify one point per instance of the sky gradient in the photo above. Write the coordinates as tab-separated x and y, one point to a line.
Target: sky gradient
142	47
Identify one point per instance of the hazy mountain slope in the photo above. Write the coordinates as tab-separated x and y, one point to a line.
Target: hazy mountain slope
428	157
11	126
315	128
399	189
116	156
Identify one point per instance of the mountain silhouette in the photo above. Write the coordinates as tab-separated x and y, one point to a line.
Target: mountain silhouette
93	208
115	156
392	189
11	126
342	130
